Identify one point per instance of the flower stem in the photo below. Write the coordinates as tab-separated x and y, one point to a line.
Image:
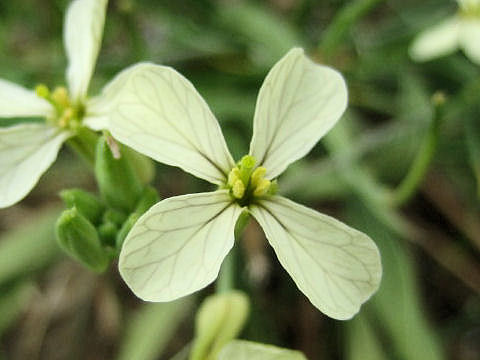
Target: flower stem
226	279
406	189
84	144
342	22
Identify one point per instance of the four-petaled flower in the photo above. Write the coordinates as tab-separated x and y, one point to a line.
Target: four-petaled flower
460	31
177	247
28	150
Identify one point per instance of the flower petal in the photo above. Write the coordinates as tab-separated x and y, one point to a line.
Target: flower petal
247	350
177	247
439	40
27	151
99	107
298	103
336	267
470	39
16	101
82	39
159	113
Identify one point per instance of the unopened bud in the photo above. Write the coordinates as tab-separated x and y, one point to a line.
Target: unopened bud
119	184
125	229
219	320
79	239
86	203
148	198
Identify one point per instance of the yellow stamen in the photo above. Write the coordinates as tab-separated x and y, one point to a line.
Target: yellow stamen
42	91
233	176
257	176
238	189
262	188
60	96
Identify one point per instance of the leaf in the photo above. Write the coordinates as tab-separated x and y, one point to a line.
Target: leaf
177	247
16	101
336	267
159	113
298	103
21	253
27	151
247	350
437	41
82	39
397	307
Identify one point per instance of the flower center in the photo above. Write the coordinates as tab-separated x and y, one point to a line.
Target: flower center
67	115
247	182
469	8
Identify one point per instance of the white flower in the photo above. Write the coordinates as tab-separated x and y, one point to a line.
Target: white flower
460	31
28	150
178	245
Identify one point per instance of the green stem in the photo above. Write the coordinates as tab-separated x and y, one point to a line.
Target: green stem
226	278
407	188
342	22
84	144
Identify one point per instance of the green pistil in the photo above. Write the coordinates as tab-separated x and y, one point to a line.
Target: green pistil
247	183
67	116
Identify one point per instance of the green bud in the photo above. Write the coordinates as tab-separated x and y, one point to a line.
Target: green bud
149	198
86	203
219	320
143	165
107	232
114	216
79	239
119	185
125	229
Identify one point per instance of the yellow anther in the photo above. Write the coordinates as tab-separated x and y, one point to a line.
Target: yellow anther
233	176
42	91
262	187
67	115
238	189
257	175
60	96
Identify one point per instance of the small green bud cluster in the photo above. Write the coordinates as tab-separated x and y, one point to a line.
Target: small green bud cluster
93	228
67	115
247	182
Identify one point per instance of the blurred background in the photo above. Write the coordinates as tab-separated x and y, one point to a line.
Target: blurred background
427	306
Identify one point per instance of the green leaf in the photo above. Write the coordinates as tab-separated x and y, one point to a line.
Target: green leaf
397	306
12	303
21	253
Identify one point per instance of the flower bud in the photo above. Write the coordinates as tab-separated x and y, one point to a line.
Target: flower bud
149	198
119	184
79	239
219	320
86	203
125	229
